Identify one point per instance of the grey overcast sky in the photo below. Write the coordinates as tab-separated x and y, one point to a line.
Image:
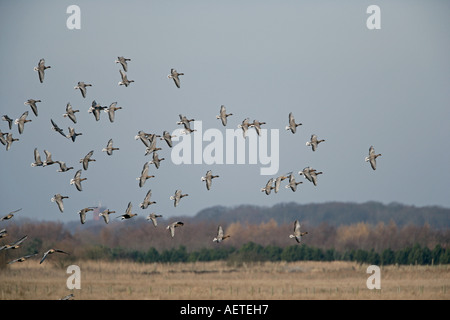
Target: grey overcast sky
352	86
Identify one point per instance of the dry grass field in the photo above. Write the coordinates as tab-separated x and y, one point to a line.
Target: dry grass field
218	280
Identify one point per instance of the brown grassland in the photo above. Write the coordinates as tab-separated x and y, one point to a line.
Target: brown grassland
303	280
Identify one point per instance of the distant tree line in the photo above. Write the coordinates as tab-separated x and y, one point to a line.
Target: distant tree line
252	252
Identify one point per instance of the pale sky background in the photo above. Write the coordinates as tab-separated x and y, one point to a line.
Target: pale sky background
352	86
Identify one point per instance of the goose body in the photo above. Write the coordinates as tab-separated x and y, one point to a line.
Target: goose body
144	137
168	138
72	134
151	147
125	82
96	109
220	235
177	197
223	115
10	215
22	259
15	245
83	212
21	121
208	178
111	111
144	204
48	159
59	201
307	173
152	217
175	76
87	158
109	148
70	113
32	104
128	214
9	140
278	182
9	120
82	87
51	251
314	175
57	129
292	125
105	214
41	67
257	125
77	180
123	61
269	186
144	175
297	233
372	158
171	227
37	159
156	160
314	142
2	138
292	183
244	126
63	167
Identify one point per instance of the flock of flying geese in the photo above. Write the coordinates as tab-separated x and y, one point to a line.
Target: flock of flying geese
149	140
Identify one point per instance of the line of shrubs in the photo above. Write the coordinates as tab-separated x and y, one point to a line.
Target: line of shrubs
252	252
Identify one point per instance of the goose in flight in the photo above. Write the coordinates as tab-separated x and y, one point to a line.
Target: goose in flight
9	120
83	212
3	233
82	86
314	142
307	173
70	113
37	159
77	180
175	76
220	235
177	197
105	214
152	146
223	115
128	214
2	138
171	227
109	148
41	67
269	186
314	175
156	160
14	245
297	233
372	158
244	126
21	121
123	61
168	138
111	111
292	125
57	129
48	159
87	158
63	167
22	259
125	82
185	121
278	182
72	134
32	104
144	204
51	251
144	137
152	216
144	175
9	140
208	178
257	125
10	215
292	183
95	109
59	201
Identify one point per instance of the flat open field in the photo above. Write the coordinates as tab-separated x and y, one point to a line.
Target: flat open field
218	280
